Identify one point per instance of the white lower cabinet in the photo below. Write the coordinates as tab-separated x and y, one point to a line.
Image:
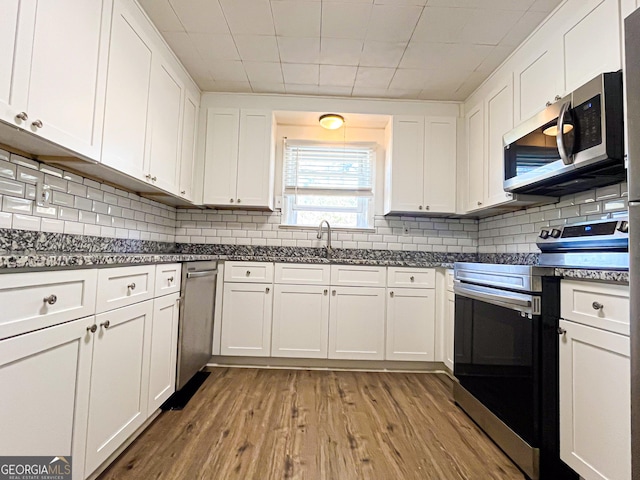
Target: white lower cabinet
356	323
595	436
410	324
118	394
300	321
45	377
163	352
246	319
449	327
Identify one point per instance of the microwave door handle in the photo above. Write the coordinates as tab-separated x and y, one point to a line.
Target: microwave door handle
567	159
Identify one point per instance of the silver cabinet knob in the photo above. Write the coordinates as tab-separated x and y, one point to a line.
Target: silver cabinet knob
131	286
105	324
412	278
92	328
267	290
426	207
148	176
391	294
153	179
326	291
248	273
557	97
51	299
231	200
561	331
479	203
597	306
238	201
419	207
183	192
22	116
170	280
37	123
333	293
548	104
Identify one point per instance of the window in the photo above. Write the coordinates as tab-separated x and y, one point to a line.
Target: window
325	181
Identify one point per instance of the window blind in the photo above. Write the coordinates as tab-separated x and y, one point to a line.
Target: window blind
320	166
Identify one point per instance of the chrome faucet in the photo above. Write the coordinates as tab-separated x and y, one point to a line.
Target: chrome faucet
319	236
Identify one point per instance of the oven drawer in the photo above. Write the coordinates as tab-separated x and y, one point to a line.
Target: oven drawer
35	300
248	272
598	305
411	277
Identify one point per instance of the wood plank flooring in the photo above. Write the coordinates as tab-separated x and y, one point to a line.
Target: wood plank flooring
296	424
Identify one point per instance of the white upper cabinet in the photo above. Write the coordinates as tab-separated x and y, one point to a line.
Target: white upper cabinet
53	70
239	158
499	111
421	165
124	144
475	157
165	119
189	130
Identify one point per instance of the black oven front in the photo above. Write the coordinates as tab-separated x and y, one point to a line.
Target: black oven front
506	362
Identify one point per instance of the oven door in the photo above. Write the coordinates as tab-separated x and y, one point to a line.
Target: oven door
497	337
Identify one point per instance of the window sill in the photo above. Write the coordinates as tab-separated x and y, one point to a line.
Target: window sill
333	229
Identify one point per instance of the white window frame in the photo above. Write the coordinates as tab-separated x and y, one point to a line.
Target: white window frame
366	196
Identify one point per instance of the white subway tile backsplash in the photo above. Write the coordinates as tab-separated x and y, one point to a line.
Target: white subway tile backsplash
28	175
16	205
25	162
13	188
62	199
95	194
76	189
51	225
51	212
25	222
6	219
7	169
55	182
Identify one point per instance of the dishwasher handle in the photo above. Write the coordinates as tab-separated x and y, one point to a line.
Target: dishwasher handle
203	273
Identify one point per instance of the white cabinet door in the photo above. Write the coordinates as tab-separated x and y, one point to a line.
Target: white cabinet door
119	380
300	321
125	141
246	319
538	79
164	347
45	381
405	165
356	323
449	326
592	45
411	324
221	156
499	110
475	157
189	130
439	165
12	49
165	120
256	160
66	87
595	436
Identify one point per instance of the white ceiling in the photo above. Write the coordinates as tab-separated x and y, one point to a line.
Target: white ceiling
415	49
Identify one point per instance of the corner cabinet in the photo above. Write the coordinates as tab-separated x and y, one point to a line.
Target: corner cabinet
421	165
595	378
53	66
239	158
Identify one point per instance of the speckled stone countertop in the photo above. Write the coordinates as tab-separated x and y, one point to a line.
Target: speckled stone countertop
615	276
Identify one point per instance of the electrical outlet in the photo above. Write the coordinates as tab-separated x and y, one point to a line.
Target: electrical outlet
43	194
405	229
278	203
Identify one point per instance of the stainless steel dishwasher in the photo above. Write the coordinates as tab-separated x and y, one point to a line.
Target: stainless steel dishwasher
195	330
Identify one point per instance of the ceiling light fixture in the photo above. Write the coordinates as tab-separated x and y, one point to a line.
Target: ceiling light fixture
552	131
331	121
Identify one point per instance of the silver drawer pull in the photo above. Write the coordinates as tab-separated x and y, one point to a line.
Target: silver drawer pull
267	290
248	273
561	331
92	328
333	293
170	279
51	299
105	324
597	306
131	286
412	278
37	124
391	294
326	291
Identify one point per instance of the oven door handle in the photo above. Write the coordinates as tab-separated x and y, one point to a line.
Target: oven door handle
520	302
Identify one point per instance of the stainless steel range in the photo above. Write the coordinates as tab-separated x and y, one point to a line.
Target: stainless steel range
506	360
601	244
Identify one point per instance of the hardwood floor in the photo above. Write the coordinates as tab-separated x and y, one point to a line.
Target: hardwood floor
296	424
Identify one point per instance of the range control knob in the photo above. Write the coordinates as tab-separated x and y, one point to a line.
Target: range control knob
624	227
555	233
544	234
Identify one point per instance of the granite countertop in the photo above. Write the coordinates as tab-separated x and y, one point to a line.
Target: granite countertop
616	276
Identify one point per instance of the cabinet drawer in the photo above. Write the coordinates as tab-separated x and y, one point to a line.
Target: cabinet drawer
121	286
302	274
35	300
449	276
411	277
596	304
168	277
248	272
358	276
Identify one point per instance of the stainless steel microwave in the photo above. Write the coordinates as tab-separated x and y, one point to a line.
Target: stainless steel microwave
573	145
